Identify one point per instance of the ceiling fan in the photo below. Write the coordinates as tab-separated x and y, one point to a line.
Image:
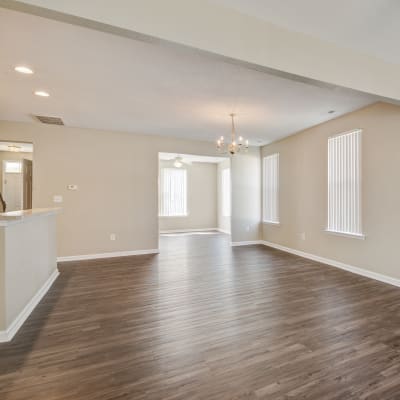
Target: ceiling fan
179	162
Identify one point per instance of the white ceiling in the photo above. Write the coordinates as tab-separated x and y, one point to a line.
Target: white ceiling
368	26
98	80
23	147
191	158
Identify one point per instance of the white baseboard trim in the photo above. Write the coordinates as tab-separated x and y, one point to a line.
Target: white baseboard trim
188	230
107	255
337	264
223	231
7	335
248	243
3	337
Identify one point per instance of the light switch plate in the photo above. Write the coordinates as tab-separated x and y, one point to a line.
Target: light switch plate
57	199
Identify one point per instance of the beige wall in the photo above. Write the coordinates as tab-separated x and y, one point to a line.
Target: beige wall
303	191
117	178
224	222
202	198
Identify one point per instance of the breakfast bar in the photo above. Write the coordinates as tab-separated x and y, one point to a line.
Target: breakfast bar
28	264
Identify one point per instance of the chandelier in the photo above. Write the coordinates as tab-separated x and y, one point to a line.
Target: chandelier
235	146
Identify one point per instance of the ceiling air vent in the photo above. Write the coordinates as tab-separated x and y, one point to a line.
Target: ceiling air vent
50	120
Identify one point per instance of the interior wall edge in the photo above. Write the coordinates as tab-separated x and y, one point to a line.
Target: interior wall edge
8	334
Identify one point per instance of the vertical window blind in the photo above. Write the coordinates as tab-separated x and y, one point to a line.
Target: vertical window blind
226	192
344	188
173	192
271	189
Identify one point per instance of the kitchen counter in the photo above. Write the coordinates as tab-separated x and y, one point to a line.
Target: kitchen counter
28	264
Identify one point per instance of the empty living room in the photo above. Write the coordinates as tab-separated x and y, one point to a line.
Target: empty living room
199	199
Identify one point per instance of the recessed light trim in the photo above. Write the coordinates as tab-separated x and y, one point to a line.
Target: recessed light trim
41	93
23	69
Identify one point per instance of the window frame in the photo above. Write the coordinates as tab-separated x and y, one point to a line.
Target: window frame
161	194
328	230
19	162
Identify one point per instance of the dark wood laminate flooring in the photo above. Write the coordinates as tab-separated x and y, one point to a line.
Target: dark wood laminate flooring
204	321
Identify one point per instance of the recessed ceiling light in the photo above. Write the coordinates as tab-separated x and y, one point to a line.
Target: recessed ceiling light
23	70
41	93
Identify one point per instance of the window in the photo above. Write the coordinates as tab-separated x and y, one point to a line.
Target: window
271	189
173	192
226	192
344	189
13	167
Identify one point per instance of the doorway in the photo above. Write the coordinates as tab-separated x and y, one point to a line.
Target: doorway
194	194
16	176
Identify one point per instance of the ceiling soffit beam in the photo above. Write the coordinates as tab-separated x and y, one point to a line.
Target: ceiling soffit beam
228	35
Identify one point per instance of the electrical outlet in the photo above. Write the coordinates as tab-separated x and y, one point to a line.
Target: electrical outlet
57	199
303	236
248	228
113	236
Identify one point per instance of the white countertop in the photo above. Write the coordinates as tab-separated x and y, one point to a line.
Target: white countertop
13	217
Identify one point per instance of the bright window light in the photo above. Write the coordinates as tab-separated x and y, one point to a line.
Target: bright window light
344	183
13	167
271	189
226	192
173	192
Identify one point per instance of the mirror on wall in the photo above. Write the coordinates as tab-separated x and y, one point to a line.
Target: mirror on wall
15	176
